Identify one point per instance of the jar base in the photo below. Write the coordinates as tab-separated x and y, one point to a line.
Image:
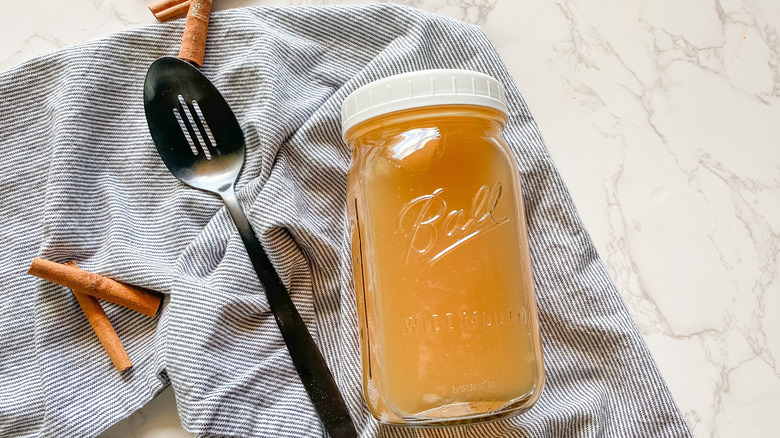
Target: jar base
466	413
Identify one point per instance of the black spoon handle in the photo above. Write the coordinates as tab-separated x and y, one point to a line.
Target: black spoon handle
306	356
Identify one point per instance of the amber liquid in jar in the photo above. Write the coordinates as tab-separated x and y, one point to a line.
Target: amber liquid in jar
445	300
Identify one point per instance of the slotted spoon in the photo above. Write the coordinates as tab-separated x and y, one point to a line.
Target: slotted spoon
202	144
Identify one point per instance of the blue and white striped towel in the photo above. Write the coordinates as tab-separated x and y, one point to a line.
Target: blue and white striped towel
81	180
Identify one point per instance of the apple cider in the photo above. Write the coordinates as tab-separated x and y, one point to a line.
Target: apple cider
445	300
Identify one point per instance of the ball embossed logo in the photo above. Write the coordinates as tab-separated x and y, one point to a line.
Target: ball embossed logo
435	229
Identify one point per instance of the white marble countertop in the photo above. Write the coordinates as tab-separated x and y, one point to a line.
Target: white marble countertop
663	118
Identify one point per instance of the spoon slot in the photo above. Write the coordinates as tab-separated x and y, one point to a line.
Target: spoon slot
209	136
186	131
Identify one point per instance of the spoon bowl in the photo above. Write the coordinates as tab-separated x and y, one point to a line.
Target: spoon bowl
194	129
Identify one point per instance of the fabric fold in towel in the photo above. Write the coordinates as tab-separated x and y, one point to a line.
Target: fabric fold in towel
81	180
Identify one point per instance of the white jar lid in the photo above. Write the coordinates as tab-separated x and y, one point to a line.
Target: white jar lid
421	88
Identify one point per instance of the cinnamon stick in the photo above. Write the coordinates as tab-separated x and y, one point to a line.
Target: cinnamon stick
140	300
165	10
162	5
98	319
193	43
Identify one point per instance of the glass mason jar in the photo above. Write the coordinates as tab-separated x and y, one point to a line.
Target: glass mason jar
448	321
